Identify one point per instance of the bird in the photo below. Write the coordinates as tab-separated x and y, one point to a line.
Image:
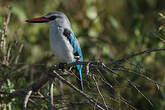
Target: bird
63	42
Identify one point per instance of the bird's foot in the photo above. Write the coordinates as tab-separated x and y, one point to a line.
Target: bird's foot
62	66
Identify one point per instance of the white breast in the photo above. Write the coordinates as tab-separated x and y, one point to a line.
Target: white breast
60	45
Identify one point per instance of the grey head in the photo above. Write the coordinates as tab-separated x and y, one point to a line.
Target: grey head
55	18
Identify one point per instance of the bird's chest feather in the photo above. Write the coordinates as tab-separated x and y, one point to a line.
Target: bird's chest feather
60	45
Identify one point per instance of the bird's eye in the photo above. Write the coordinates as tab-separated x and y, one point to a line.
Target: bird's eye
52	17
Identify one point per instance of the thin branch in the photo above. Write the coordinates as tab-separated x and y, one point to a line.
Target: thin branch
60	89
131	83
100	92
136	54
122	99
27	99
99	105
18	54
51	92
3	44
35	86
113	99
140	75
161	39
45	77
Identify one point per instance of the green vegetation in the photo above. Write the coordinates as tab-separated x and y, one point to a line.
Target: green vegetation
107	30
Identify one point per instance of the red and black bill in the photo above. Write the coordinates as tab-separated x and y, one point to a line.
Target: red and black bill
38	20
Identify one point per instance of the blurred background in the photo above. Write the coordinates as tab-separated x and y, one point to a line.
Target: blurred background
106	30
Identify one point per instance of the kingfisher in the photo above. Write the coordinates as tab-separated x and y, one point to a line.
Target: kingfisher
63	42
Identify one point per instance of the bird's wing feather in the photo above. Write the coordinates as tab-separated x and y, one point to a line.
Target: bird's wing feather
76	50
74	42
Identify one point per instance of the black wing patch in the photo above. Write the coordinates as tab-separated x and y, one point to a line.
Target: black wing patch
67	33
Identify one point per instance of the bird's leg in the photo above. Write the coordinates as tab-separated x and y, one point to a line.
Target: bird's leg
62	66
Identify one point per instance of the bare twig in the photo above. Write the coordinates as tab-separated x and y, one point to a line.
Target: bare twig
132	84
115	100
100	92
26	99
60	88
161	39
136	54
140	75
51	92
99	105
127	103
3	44
45	77
19	51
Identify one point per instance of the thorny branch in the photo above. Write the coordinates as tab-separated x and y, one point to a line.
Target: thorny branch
54	71
92	100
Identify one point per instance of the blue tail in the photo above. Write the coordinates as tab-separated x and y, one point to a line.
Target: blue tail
77	52
80	80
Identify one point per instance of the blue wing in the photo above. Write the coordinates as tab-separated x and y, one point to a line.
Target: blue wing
76	50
